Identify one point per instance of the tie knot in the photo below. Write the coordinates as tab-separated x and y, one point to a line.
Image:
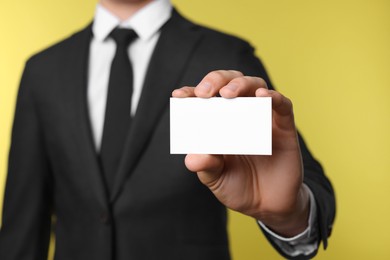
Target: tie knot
122	36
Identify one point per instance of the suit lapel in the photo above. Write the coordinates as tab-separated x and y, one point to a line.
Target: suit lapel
74	81
176	44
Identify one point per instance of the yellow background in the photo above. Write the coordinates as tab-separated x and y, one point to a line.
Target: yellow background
332	58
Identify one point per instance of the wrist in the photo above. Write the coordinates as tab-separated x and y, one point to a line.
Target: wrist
291	222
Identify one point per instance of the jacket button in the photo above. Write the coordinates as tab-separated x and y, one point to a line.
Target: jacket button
105	218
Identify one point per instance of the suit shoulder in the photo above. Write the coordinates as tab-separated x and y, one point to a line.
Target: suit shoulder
54	53
221	50
224	37
211	35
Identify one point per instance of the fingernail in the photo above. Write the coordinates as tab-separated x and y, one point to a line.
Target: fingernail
231	86
205	86
176	92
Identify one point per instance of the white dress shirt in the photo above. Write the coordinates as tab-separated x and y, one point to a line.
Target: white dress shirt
147	23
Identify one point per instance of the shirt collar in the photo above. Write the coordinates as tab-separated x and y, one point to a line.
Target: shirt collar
145	22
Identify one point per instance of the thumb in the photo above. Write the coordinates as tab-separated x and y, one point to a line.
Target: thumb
208	167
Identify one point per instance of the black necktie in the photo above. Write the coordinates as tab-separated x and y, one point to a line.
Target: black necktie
117	119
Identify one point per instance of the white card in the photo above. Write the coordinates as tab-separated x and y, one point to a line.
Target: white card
221	126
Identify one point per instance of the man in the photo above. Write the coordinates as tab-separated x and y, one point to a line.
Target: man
142	203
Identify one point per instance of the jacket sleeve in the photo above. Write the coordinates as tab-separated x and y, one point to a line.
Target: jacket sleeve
26	219
314	176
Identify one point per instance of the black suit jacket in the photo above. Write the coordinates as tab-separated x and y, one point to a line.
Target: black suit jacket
157	209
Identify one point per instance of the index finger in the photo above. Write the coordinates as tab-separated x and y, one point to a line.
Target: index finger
214	81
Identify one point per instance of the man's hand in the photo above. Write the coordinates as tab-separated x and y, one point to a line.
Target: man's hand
268	188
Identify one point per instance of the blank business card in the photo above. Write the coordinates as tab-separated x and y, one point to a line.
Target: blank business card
221	126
